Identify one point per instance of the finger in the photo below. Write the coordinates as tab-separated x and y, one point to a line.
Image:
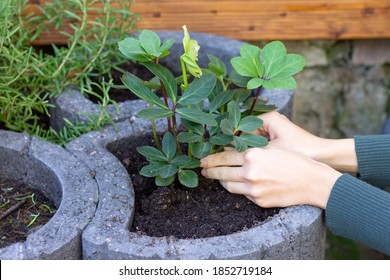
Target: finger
226	158
223	173
235	187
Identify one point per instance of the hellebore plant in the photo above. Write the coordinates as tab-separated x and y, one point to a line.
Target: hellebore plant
228	116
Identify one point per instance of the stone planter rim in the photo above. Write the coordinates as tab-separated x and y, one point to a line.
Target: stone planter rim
70	184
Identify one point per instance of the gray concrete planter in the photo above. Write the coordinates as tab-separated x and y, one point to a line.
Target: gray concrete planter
294	233
65	180
74	106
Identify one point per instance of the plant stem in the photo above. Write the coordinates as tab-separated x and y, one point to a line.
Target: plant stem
185	78
164	92
175	134
238	133
254	101
154	129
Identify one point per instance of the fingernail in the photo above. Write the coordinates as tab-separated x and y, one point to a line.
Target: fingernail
203	162
203	172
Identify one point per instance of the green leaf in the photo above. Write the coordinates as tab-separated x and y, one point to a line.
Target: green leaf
195	127
201	150
151	170
139	89
169	145
254	83
152	114
152	153
292	64
260	107
241	94
166	45
244	67
272	55
166	77
193	163
227	127
150	42
221	139
188	178
249	124
131	48
240	144
198	90
253	140
196	116
191	66
163	182
220	100
190	56
167	171
187	137
180	160
280	82
216	65
233	108
239	80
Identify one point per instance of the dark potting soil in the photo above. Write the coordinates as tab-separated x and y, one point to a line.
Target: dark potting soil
205	211
26	205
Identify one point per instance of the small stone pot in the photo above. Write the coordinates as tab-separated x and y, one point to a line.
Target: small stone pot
294	233
73	106
65	180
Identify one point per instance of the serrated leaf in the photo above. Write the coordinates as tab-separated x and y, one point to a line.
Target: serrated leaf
163	182
180	160
187	137
136	85
216	65
152	114
167	171
240	144
151	170
273	54
201	150
166	77
196	116
220	100
151	153
280	82
233	109
221	139
253	140
250	123
169	145
150	42
188	178
255	83
198	90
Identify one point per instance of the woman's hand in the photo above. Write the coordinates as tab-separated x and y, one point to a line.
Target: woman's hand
272	177
282	133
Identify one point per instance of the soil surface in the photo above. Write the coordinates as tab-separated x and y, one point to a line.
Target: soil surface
205	211
31	210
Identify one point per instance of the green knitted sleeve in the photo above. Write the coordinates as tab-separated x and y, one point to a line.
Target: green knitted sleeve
361	212
373	154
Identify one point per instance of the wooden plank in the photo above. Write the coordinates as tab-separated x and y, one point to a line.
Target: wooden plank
265	19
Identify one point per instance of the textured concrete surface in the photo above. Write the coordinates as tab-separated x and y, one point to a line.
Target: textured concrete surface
64	179
295	233
74	106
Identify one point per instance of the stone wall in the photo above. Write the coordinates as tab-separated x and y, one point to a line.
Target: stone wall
345	88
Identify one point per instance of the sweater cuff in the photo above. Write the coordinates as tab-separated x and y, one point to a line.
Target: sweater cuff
373	155
359	211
